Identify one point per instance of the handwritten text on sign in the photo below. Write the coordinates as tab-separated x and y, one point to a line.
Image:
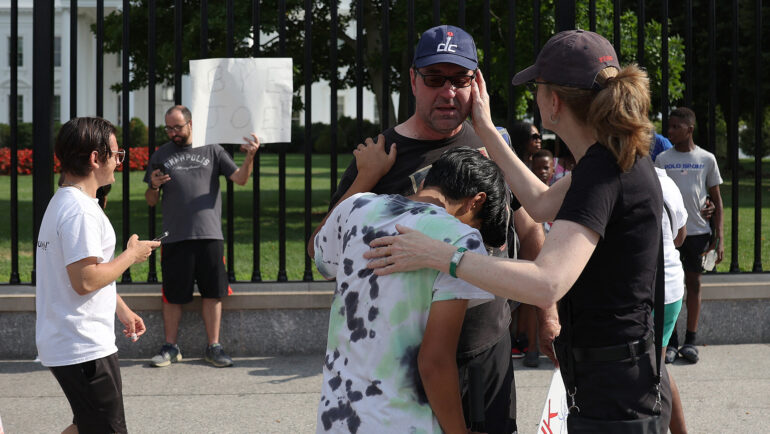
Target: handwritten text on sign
233	97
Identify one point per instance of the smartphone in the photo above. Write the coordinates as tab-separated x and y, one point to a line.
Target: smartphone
163	235
160	167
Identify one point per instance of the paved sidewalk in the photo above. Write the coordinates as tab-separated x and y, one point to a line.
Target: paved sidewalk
727	391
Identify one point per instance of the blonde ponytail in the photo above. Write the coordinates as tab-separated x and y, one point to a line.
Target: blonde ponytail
618	113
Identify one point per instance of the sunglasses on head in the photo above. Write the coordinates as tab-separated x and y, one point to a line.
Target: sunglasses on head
437	80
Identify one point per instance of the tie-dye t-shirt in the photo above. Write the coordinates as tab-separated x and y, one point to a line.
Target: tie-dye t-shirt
371	380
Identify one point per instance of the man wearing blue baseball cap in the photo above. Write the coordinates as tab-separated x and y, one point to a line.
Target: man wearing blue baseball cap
445	64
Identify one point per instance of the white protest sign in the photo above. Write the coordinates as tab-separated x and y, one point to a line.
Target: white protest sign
554	418
233	97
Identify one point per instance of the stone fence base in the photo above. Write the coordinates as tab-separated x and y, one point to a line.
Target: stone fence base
269	319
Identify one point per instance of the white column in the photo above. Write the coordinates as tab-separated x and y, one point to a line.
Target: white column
64	70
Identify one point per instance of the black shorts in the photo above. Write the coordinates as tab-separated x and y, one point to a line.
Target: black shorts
186	262
496	372
691	252
95	392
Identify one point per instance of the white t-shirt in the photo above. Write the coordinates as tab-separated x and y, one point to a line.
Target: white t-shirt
673	265
371	380
72	328
694	173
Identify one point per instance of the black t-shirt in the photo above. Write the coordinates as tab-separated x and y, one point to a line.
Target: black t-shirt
485	324
611	302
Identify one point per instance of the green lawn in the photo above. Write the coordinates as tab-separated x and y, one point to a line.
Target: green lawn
295	209
295	247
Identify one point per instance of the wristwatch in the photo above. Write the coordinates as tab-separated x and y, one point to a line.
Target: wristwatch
455	261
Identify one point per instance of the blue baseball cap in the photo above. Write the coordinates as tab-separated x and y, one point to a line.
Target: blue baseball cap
446	44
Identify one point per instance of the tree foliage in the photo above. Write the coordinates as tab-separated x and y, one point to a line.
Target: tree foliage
502	58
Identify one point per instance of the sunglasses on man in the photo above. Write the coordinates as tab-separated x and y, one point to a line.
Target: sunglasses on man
438	80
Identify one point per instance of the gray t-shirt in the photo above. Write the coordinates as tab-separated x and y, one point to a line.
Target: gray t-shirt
191	202
694	173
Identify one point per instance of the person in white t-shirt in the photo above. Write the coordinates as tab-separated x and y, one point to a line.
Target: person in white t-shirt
696	173
76	298
674	227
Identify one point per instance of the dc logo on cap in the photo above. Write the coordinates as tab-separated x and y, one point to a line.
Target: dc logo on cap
447	46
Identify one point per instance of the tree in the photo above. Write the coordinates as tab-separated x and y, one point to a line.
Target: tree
748	139
745	85
497	55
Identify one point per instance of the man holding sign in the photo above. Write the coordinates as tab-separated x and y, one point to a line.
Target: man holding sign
192	216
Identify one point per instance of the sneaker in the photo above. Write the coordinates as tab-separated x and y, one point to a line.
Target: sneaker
671	354
689	353
517	353
168	354
532	359
215	355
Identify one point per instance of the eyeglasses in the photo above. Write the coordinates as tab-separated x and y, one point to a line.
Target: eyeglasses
120	156
536	136
176	128
436	80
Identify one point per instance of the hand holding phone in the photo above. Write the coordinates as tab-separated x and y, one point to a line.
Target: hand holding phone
161	236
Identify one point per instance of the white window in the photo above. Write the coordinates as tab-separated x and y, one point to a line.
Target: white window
340	106
57	51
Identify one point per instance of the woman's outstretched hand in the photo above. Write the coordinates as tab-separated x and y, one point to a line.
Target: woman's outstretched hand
411	250
480	111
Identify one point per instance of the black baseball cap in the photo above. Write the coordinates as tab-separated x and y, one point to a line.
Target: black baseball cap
571	58
446	44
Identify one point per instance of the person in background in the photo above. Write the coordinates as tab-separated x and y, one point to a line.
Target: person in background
525	343
562	165
659	144
75	295
542	165
193	251
696	173
674	219
526	140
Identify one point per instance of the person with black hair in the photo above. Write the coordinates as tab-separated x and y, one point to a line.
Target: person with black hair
526	140
392	340
696	172
75	294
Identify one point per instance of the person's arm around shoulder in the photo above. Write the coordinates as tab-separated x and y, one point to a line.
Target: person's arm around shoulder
541	283
88	275
241	174
437	366
372	163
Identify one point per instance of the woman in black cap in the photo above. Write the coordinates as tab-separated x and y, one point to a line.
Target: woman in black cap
599	260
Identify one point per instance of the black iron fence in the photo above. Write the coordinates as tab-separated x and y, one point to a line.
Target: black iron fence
700	54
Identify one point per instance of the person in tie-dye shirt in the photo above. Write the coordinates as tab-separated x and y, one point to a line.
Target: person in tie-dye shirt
390	359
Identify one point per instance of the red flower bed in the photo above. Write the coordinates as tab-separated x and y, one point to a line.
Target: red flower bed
137	160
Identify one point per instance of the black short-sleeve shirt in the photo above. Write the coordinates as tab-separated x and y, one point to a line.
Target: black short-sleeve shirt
611	302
